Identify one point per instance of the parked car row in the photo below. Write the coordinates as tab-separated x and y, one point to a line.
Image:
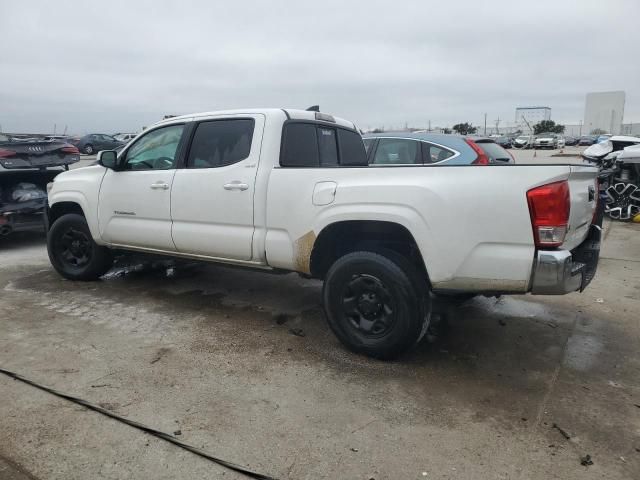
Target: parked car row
88	144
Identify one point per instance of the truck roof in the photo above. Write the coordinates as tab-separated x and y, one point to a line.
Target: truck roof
268	112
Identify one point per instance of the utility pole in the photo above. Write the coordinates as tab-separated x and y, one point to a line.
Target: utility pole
429	125
485	124
497	126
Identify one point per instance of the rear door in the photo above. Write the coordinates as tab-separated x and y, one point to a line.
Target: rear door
212	197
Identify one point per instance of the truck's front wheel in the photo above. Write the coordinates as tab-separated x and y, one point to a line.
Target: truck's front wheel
72	251
376	304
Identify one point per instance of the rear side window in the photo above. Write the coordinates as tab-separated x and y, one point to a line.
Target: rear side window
494	151
313	145
221	142
434	154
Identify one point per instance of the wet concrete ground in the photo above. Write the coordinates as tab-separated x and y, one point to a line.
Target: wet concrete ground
209	351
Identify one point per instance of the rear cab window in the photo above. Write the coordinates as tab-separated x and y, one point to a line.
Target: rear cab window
311	144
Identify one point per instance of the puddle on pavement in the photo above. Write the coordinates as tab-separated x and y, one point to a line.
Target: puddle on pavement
513	307
582	351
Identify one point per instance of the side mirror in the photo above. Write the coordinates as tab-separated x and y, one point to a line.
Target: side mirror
108	159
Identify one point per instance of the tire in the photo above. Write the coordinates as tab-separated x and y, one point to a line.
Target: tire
377	305
88	149
72	251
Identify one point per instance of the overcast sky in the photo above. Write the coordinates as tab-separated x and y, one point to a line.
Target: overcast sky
116	66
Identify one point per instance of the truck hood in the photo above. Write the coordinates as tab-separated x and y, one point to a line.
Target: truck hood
68	180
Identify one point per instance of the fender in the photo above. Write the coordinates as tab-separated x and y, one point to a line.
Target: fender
79	199
82	187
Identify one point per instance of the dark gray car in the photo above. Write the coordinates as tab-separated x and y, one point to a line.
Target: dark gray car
95	142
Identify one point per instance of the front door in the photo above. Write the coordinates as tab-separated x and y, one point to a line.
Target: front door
134	207
212	198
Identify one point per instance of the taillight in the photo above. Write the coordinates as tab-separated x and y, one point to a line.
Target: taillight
482	157
70	149
549	207
4	153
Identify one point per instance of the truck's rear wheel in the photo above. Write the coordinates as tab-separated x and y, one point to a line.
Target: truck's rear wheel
72	251
376	304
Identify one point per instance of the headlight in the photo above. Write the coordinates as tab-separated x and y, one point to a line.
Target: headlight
49	187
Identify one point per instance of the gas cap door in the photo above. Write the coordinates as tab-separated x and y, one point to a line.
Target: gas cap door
324	193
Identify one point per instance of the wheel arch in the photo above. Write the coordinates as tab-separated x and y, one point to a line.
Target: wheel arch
341	237
71	202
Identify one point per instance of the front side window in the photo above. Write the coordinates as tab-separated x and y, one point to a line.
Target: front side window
221	142
157	150
397	151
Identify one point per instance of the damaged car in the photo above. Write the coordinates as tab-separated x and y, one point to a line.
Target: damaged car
26	167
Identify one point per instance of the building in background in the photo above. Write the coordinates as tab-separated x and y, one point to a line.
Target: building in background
604	111
632	129
531	116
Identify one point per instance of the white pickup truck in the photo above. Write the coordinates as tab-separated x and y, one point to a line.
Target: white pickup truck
292	190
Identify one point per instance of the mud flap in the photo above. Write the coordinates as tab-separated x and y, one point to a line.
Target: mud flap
588	253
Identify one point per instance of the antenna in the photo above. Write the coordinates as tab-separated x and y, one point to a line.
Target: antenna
313	108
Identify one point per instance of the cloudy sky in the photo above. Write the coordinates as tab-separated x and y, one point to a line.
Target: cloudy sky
116	66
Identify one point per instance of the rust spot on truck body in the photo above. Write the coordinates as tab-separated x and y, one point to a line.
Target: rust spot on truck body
302	253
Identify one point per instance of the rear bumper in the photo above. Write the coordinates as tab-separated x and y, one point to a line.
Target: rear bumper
557	272
28	222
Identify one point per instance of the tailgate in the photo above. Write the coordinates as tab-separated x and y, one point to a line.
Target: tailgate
584	196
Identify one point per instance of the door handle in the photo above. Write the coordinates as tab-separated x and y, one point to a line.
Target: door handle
160	186
236	186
